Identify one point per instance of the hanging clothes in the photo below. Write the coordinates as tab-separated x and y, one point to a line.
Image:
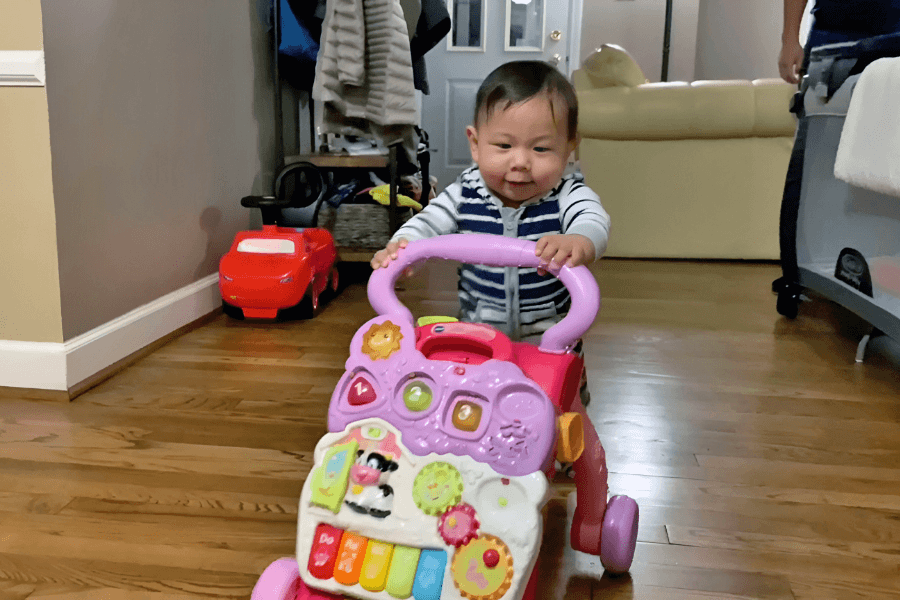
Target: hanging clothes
364	75
433	26
300	29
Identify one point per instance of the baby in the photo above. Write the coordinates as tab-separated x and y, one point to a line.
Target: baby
525	129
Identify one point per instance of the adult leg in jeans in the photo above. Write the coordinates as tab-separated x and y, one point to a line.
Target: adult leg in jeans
788	285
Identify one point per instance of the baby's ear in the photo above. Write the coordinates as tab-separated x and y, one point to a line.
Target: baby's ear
573	143
472	134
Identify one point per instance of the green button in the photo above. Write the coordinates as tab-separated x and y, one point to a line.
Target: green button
417	396
403	571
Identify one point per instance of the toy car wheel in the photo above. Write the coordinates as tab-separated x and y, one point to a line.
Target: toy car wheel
307	308
232	311
619	536
334	279
280	581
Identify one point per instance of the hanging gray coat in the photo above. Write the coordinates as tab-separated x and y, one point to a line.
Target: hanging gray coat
364	74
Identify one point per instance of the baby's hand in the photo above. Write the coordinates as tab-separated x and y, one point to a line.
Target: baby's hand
384	257
560	249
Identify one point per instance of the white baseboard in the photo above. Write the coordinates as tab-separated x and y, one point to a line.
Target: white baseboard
49	366
22	67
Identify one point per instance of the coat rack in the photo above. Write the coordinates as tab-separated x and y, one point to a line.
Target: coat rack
667	38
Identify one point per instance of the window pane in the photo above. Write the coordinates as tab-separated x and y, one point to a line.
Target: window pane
526	24
466	18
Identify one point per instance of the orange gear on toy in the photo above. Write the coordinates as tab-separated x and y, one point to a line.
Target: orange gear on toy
483	568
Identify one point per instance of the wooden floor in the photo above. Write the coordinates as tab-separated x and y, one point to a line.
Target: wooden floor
766	463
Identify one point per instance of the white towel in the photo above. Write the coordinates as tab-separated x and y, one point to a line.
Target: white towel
868	155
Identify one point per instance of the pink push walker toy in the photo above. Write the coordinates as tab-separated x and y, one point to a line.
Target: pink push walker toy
442	436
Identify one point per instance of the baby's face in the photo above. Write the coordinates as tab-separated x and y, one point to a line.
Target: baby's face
522	151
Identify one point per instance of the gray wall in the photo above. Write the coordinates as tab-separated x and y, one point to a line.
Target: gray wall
160	119
738	39
639	27
711	39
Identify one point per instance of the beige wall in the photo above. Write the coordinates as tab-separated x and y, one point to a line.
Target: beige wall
20	25
30	301
156	110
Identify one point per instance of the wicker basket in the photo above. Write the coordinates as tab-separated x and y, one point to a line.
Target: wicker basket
360	226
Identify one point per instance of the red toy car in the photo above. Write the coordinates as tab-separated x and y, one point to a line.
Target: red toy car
282	270
277	269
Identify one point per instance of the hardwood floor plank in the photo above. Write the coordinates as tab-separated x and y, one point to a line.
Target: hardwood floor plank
110	448
824	523
68	574
52	546
767	543
109	594
814	589
689	582
848	473
788	564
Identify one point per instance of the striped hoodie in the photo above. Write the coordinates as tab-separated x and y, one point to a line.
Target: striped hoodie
517	301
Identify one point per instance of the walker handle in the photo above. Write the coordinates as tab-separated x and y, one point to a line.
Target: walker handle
495	251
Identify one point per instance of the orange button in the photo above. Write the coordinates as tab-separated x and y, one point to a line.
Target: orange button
570	443
350	558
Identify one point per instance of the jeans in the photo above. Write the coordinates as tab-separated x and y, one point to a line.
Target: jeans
790	203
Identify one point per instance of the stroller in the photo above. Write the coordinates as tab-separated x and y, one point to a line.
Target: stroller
441	440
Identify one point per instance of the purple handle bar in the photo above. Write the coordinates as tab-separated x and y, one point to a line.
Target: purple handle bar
496	251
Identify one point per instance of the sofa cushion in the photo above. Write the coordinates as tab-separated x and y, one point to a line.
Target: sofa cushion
610	65
680	110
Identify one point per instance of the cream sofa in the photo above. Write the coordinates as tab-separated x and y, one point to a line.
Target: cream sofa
685	170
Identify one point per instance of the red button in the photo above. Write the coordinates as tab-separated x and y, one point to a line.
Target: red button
361	392
491	558
324	551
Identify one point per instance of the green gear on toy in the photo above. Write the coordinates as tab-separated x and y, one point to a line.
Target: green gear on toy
437	487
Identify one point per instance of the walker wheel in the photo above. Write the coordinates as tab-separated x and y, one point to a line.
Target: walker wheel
280	581
619	536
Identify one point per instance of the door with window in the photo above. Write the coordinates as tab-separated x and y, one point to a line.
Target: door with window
485	34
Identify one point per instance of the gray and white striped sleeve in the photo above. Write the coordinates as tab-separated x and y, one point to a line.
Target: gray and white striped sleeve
581	213
439	217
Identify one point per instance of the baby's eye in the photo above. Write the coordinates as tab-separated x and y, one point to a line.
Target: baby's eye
541	149
503	146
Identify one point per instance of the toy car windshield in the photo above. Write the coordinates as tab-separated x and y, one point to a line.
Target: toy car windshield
267	246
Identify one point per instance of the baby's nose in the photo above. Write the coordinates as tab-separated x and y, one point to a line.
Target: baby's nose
520	159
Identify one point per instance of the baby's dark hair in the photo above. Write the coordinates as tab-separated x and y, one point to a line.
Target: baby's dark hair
521	80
